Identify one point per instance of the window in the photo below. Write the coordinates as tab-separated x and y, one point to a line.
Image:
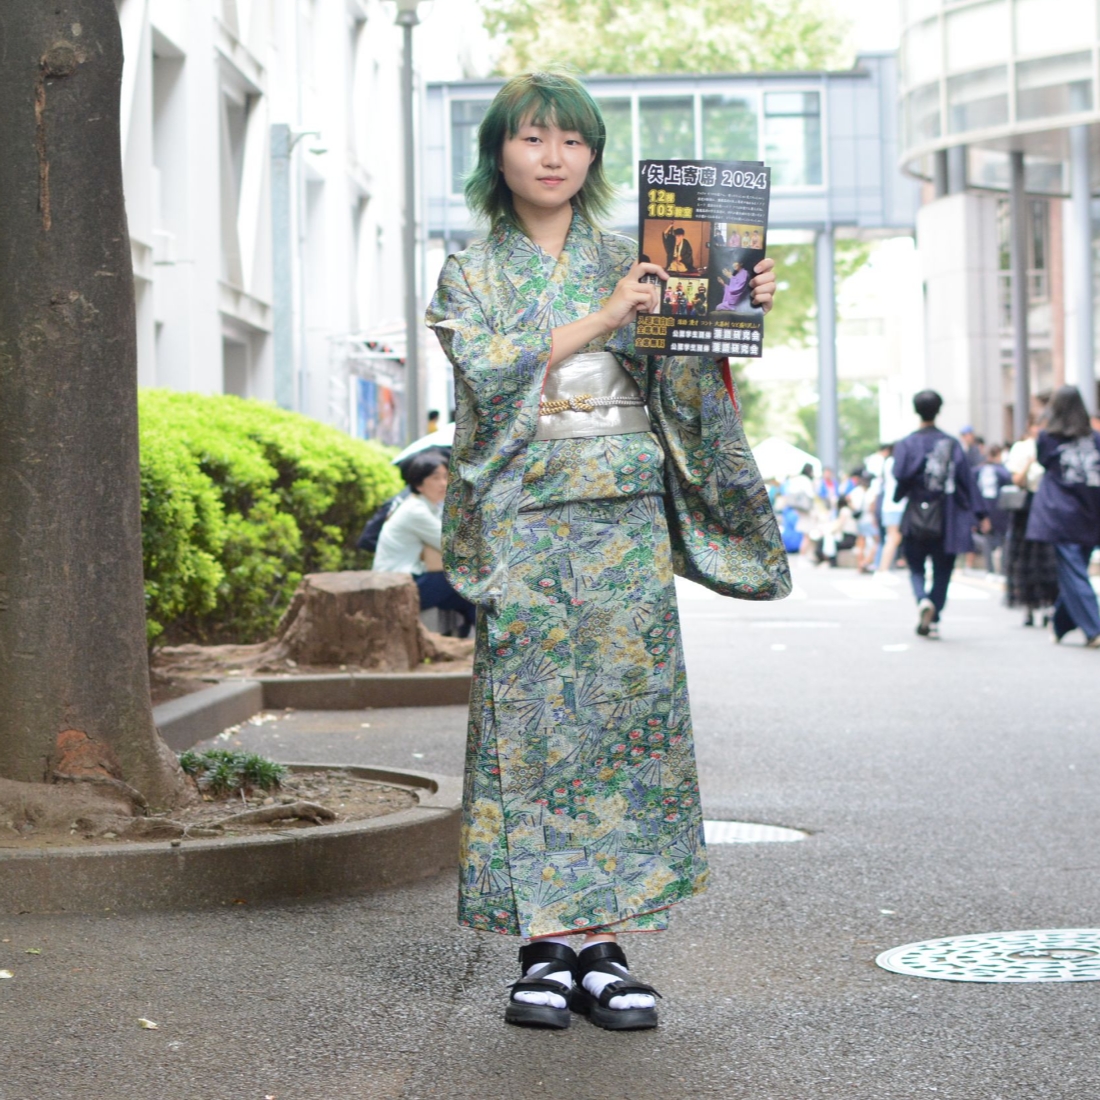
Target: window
466	116
730	128
792	138
921	53
618	153
977	36
1054	86
977	100
924	114
1054	26
667	125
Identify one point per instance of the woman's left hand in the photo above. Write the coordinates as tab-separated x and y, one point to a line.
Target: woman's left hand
763	285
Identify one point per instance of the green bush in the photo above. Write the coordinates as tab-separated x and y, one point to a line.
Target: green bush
240	499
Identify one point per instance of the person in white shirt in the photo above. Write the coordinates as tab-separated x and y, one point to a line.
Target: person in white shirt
411	539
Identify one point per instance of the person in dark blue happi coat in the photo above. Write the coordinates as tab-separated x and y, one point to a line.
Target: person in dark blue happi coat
932	471
1066	510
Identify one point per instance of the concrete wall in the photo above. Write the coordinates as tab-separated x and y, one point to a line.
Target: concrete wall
957	241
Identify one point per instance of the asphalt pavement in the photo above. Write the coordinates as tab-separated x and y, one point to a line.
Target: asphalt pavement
948	787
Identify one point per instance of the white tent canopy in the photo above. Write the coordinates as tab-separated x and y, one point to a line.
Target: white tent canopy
779	459
445	437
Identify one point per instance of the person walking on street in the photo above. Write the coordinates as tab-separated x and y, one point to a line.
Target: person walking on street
1066	510
1031	568
932	471
581	811
991	477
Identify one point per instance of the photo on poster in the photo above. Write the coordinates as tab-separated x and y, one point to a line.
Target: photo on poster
737	235
680	247
730	272
705	223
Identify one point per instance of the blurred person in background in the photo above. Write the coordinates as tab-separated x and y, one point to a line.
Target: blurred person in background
891	512
412	536
991	477
1030	567
1066	510
932	471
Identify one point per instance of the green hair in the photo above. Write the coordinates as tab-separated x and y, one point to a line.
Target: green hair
545	98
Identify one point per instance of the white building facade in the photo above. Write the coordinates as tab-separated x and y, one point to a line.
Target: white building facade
262	167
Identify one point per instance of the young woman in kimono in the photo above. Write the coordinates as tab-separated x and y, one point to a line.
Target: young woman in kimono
567	512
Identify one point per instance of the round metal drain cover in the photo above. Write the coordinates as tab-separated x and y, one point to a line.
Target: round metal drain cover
1048	955
747	832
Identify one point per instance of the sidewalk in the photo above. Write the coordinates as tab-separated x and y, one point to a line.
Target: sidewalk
948	787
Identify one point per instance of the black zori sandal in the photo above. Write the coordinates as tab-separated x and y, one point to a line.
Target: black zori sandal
542	959
608	958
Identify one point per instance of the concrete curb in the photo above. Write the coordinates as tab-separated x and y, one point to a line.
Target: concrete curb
347	691
191	718
333	859
338	859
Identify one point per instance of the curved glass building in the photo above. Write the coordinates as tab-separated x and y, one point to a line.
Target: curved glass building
1000	109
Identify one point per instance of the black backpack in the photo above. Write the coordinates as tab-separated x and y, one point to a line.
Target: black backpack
368	540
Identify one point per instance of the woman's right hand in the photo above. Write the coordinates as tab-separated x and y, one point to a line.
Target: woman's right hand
631	296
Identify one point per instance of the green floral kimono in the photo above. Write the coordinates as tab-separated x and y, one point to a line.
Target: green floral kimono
581	805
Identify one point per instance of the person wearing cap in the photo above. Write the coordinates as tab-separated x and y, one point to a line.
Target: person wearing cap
972	445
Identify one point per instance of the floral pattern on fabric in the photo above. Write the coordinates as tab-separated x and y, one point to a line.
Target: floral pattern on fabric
581	805
582	797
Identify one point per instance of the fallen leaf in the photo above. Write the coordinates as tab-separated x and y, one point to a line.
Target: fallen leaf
6	974
148	1025
34	951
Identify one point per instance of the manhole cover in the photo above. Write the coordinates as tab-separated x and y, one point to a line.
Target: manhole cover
747	832
1049	955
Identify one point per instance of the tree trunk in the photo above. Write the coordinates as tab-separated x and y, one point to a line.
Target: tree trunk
72	619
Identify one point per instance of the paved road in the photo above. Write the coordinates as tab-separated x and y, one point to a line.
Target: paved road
949	787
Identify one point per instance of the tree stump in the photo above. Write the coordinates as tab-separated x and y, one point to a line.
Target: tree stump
367	619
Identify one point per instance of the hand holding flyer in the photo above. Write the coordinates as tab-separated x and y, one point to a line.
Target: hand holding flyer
707	222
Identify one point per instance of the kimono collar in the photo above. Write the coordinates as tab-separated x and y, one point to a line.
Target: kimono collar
521	258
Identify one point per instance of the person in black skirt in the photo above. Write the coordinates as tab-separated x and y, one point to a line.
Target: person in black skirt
1031	568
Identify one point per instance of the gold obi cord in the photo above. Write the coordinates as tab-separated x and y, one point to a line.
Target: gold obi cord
589	394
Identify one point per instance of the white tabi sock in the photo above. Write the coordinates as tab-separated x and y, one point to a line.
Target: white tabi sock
596	981
537	997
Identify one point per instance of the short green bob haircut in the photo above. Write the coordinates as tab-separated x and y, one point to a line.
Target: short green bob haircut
545	98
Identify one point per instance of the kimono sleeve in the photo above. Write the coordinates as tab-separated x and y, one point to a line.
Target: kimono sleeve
722	525
499	376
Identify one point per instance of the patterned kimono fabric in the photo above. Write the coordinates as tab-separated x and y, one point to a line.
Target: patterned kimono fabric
581	803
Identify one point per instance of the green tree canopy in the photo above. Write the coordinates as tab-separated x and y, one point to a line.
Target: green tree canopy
665	36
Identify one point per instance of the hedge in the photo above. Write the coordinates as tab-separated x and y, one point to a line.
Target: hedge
239	499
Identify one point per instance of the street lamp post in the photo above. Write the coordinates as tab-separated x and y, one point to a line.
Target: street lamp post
406	20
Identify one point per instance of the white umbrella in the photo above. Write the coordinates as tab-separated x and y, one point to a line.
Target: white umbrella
444	437
779	459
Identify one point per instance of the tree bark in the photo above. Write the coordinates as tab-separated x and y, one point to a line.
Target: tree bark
72	618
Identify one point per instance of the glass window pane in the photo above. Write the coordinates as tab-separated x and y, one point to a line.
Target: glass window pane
977	36
618	153
667	127
792	138
1054	26
1054	86
792	103
730	128
921	60
918	9
977	100
466	116
923	114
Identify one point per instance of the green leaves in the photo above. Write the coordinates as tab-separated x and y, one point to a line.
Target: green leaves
239	500
632	37
222	773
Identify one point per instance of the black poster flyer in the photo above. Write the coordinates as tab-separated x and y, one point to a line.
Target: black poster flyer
706	223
